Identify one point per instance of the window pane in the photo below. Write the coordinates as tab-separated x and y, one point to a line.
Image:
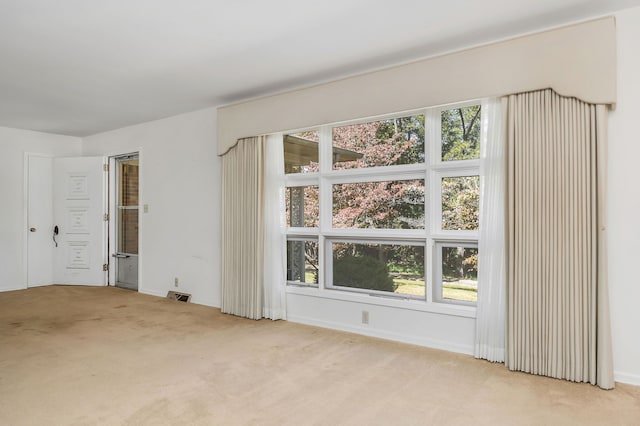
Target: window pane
302	261
460	202
461	133
128	231
379	143
395	204
301	152
460	273
128	191
392	268
302	206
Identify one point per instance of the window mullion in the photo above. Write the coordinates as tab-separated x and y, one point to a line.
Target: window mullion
432	142
326	199
325	208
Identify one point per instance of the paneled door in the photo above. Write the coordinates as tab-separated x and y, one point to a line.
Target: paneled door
78	214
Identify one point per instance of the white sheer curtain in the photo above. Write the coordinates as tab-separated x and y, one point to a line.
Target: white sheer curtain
492	267
275	238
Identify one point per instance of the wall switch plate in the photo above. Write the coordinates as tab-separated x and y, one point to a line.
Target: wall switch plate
175	282
365	317
145	208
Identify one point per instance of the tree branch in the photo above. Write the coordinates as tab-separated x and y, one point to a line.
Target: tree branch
473	120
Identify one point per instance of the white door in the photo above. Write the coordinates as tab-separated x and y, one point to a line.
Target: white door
39	221
78	212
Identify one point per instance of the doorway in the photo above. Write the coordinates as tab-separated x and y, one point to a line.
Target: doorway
125	235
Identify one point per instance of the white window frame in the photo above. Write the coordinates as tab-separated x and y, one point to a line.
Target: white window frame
328	266
431	237
437	267
305	238
437	177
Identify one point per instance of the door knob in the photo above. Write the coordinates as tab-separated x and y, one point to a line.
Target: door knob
32	229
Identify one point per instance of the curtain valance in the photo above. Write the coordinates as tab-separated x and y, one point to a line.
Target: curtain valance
576	61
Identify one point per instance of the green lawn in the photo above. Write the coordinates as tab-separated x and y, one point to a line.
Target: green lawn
454	290
411	287
459	291
310	277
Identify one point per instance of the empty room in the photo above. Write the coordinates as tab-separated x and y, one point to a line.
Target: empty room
341	212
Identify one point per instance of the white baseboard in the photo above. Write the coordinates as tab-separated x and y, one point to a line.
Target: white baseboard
629	379
208	303
194	301
13	288
152	292
414	340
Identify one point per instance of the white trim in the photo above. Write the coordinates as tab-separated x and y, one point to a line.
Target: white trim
438	245
25	218
376	174
457	166
628	378
111	207
301	179
105	209
303	232
430	172
420	341
151	292
3	289
464	311
437	176
417	234
112	214
305	239
196	301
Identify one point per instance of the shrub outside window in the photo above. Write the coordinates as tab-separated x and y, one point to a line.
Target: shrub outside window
378	268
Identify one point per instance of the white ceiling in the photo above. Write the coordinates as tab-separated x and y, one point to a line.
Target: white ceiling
80	67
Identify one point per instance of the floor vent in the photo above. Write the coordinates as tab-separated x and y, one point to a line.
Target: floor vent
180	297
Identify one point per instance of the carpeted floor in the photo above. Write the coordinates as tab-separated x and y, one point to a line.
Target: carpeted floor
85	356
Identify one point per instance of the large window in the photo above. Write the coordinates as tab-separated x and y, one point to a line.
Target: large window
387	207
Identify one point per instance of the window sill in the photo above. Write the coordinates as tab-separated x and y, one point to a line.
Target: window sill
408	304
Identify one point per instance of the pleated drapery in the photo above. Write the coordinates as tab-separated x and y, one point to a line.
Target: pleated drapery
557	297
242	229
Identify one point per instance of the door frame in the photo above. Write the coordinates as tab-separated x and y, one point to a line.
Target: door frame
25	211
111	201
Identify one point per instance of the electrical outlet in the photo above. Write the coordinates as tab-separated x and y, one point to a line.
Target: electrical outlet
365	317
175	282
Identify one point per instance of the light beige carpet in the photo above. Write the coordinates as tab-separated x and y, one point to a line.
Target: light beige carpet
84	356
